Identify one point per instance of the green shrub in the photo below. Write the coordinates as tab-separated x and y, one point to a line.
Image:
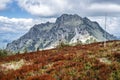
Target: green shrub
62	44
3	52
115	75
25	50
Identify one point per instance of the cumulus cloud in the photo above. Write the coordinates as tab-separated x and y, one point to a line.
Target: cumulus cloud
3	4
44	7
102	9
82	7
106	1
48	8
20	24
14	24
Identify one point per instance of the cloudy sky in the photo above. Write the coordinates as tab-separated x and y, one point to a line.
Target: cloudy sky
18	16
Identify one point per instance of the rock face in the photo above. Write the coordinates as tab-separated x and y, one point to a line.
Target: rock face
68	28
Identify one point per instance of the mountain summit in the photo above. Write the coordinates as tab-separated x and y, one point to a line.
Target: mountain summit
68	28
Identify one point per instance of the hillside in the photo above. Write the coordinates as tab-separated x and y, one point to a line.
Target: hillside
68	28
81	62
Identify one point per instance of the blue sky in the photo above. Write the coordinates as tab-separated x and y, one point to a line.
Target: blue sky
18	16
12	10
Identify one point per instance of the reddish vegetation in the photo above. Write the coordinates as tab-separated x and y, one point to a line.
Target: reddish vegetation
81	62
41	77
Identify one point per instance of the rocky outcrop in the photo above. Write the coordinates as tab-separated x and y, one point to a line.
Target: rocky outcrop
69	28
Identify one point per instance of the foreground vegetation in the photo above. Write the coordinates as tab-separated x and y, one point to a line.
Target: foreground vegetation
4	53
81	62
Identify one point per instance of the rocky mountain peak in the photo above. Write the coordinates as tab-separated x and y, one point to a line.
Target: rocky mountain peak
68	28
68	17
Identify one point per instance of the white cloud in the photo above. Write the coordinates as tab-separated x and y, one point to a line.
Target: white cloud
14	24
20	24
7	29
46	8
54	7
58	7
105	7
3	4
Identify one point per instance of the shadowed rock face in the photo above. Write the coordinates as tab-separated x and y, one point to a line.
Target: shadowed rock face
68	28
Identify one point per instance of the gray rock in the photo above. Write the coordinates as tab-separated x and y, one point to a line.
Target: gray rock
68	28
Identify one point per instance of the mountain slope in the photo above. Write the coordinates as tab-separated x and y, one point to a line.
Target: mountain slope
81	62
67	28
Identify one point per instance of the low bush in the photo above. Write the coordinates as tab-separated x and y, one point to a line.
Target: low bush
3	52
62	44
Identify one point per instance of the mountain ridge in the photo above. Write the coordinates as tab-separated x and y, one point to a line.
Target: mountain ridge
68	28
